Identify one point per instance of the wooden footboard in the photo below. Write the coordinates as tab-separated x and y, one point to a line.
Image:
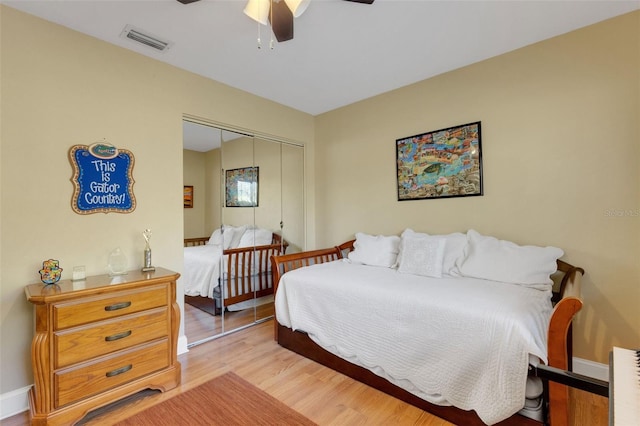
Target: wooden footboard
250	265
200	241
559	338
567	304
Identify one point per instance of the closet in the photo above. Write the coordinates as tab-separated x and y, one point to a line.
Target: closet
243	184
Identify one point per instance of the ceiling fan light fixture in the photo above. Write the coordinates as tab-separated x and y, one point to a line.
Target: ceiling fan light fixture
297	7
258	10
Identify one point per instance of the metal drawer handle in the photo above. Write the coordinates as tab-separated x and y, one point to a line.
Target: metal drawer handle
119	370
118	336
117	306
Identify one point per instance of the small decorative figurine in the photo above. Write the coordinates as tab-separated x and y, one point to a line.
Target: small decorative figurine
50	272
147	252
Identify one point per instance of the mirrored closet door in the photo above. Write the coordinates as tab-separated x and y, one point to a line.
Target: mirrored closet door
279	210
253	199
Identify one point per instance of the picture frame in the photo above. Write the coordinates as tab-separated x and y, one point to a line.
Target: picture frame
443	163
242	187
188	196
107	188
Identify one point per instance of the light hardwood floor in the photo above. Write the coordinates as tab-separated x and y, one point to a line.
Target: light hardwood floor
200	325
319	393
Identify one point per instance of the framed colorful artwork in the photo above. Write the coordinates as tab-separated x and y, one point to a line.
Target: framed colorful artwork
241	187
188	196
440	164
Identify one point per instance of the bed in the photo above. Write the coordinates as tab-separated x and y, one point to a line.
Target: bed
231	266
461	378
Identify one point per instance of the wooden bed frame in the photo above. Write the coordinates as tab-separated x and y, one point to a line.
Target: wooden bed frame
566	301
243	257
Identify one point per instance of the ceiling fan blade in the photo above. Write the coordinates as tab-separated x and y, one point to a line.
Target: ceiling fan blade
281	21
281	17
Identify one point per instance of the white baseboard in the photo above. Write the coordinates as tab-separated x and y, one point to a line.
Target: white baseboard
182	344
590	368
14	402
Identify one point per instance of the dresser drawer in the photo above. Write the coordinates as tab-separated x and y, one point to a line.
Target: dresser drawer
87	310
90	341
91	378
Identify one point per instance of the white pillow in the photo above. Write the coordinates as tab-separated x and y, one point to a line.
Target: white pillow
256	236
421	255
227	232
216	237
238	232
453	249
499	260
375	250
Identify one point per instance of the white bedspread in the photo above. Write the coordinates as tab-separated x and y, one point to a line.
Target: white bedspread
451	341
201	270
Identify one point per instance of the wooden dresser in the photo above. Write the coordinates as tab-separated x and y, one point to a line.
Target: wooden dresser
101	339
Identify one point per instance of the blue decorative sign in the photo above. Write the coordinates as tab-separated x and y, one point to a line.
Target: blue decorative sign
102	179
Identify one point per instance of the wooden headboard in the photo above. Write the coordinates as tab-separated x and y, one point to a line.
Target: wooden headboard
200	241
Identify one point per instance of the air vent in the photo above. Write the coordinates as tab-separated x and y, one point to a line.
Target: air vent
145	38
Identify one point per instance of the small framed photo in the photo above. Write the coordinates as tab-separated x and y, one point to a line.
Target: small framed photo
188	196
440	164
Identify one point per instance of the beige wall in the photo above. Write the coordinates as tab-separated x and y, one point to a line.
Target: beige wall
193	171
212	219
236	154
202	169
73	89
560	126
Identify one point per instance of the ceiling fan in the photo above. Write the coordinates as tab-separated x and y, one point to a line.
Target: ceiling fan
279	12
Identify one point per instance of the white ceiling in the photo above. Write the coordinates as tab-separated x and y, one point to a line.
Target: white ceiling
342	52
198	137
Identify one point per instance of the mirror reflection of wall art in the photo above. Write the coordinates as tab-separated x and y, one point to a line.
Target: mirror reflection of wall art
188	196
241	187
440	164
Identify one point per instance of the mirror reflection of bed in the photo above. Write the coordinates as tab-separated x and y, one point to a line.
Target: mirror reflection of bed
226	276
229	274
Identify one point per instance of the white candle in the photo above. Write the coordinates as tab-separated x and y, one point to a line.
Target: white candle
78	273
